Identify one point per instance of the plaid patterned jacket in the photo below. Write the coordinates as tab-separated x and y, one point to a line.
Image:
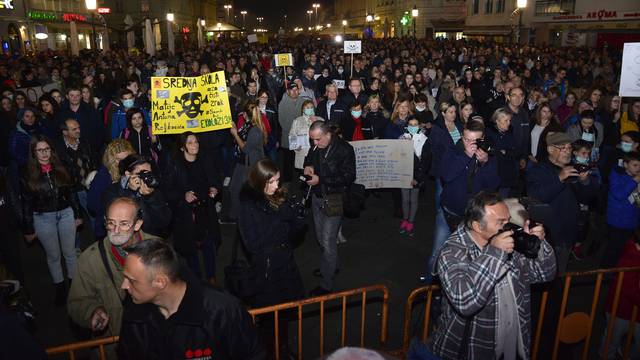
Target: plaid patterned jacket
469	276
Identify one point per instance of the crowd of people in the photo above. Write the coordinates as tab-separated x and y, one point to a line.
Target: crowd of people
486	121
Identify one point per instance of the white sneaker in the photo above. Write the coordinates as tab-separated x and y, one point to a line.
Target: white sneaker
341	238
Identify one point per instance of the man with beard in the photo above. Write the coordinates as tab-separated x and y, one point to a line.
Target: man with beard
95	298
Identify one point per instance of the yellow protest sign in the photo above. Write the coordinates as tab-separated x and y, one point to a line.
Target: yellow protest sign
284	59
197	104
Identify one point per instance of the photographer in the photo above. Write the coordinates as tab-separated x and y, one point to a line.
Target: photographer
466	169
555	182
486	314
137	180
331	168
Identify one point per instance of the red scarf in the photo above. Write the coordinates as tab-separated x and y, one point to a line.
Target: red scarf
357	132
45	168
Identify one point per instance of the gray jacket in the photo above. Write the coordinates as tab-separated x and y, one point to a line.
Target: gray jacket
288	110
575	133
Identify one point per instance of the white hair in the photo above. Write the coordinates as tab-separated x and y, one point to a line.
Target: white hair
354	353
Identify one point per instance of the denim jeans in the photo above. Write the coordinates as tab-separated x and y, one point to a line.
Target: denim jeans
56	231
619	338
440	232
327	228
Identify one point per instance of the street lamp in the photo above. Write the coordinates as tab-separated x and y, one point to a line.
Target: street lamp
203	22
521	4
316	6
228	8
170	17
243	13
414	15
91	6
369	19
309	12
344	24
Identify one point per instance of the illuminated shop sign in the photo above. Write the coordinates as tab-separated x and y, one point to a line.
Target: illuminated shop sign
51	16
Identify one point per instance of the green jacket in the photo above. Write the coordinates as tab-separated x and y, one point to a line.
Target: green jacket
92	287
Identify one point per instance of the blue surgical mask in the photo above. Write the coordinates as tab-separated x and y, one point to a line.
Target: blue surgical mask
413	129
626	147
582	160
127	103
309	112
588	137
356	113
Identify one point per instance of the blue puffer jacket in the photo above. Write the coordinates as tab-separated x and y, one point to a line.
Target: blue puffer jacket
620	212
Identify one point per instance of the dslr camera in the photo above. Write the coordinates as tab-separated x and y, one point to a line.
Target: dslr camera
486	146
149	179
526	244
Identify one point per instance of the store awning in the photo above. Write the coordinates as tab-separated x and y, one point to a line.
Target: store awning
487	31
447	25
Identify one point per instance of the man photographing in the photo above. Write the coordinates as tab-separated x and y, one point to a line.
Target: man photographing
486	314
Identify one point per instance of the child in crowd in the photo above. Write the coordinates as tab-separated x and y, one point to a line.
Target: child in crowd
582	162
421	163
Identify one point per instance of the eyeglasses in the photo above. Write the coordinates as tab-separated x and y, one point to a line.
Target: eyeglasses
563	148
124	225
43	150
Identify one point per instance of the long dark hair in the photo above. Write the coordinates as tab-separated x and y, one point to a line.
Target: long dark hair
259	175
60	175
129	117
54	105
181	142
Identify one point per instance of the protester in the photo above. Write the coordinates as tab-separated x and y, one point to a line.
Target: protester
191	187
139	134
330	164
95	297
300	132
51	211
288	111
202	317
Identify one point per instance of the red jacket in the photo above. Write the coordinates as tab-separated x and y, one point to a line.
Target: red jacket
630	293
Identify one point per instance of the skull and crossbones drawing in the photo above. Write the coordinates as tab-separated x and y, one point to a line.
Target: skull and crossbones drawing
191	103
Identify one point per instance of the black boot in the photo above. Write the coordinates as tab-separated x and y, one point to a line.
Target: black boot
61	294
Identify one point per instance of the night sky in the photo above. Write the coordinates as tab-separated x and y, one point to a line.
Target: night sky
274	10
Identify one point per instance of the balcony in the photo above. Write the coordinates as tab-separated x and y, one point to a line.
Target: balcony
554	7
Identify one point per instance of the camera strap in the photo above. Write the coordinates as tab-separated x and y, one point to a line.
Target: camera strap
105	262
473	169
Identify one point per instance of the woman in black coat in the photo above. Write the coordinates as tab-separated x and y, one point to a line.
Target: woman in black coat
190	186
268	224
500	138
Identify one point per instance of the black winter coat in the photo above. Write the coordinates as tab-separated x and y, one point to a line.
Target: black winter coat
196	221
268	235
72	158
505	147
48	197
208	324
335	165
373	125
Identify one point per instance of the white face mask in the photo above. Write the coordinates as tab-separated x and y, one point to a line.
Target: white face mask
588	137
420	108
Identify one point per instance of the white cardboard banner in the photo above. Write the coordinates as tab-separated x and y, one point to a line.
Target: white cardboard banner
384	163
630	74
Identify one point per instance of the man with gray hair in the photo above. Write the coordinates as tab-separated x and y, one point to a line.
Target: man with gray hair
486	310
330	167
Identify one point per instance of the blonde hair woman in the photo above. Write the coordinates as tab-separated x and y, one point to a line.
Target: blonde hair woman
107	174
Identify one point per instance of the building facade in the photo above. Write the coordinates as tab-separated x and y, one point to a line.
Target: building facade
394	18
556	22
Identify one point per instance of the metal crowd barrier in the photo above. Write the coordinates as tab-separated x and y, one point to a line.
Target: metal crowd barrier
276	310
573	328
